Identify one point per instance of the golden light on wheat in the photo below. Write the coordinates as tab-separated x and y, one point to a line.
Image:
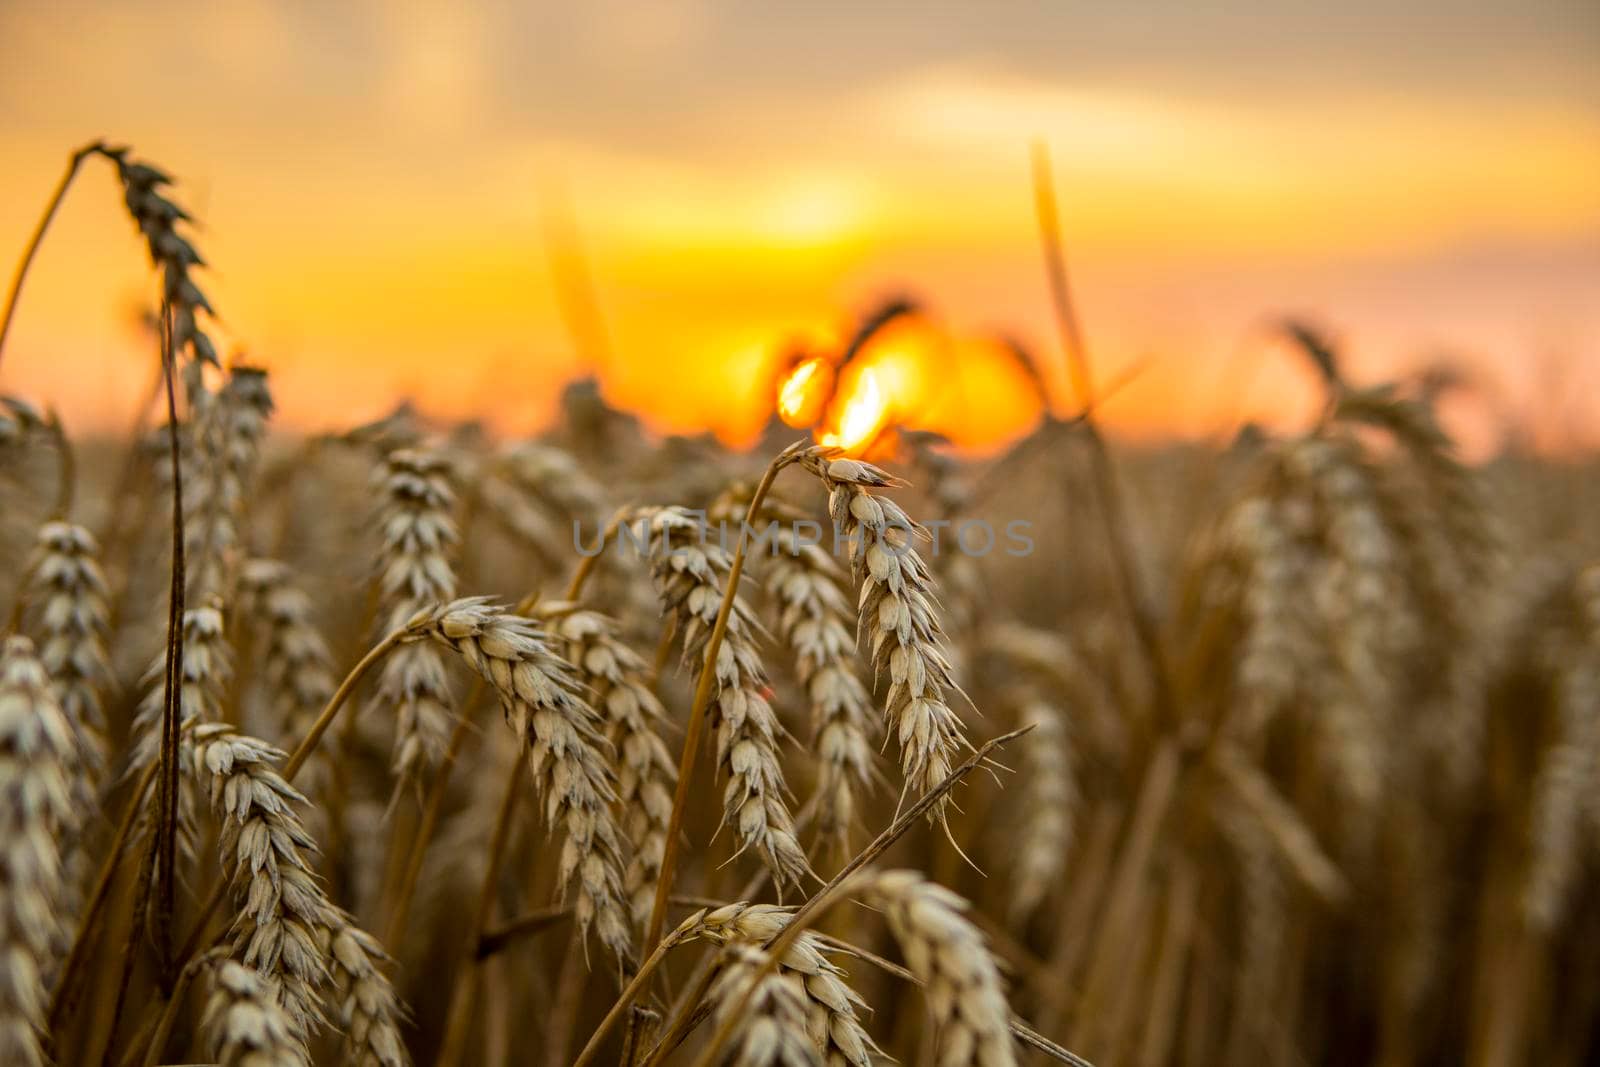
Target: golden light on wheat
408	744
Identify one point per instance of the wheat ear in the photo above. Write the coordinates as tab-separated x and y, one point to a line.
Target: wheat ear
771	1030
556	479
1568	778
157	218
619	682
36	754
297	667
368	1011
248	1027
207	667
561	734
1048	802
1276	644
814	620
418	537
69	596
898	617
281	907
830	1005
285	926
229	434
947	953
689	575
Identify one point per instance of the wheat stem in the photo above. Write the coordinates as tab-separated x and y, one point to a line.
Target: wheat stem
464	990
62	1002
433	807
39	230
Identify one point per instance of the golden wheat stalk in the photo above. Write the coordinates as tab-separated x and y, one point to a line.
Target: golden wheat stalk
948	954
831	1007
898	617
248	1027
690	573
418	539
619	682
561	735
36	760
814	621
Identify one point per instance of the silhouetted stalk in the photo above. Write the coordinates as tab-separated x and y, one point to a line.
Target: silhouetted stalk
166	882
93	148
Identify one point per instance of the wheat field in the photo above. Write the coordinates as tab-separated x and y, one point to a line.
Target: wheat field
408	744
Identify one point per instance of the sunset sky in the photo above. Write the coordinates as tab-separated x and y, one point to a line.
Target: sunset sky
377	184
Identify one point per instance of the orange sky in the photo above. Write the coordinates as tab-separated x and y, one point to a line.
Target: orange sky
376	180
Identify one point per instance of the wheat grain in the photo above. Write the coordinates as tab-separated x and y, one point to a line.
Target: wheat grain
36	758
617	678
771	1028
418	537
561	735
689	574
897	613
812	620
948	955
1048	802
248	1027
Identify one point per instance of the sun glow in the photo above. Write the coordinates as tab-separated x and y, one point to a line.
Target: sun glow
864	415
802	394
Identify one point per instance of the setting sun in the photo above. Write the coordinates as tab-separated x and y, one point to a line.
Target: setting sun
803	394
864	415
